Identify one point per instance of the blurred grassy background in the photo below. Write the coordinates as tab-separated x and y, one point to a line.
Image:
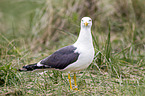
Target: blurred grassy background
30	30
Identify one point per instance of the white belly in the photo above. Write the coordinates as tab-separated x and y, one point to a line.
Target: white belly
84	60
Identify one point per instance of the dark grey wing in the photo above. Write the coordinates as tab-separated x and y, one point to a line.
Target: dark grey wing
61	58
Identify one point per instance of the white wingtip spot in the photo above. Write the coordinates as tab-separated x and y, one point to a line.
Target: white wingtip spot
38	64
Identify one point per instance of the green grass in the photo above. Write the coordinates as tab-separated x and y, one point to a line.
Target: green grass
31	30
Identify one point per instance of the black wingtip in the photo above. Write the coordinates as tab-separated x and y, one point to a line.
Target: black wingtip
21	70
32	67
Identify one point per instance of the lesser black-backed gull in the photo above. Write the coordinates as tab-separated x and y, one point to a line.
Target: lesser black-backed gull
71	58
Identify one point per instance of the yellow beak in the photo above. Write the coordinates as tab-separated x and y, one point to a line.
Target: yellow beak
86	24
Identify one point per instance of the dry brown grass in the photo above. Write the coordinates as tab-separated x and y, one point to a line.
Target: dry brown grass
54	16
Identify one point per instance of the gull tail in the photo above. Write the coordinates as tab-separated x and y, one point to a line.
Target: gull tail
32	67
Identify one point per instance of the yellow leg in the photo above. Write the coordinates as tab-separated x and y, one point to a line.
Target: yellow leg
69	80
76	87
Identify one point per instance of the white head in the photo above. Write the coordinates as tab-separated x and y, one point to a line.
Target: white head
86	22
